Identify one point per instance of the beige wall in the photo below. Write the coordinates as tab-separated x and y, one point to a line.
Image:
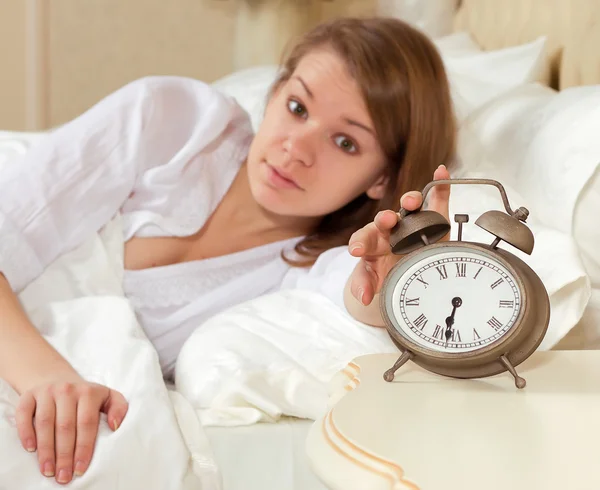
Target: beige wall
264	27
12	64
60	57
98	45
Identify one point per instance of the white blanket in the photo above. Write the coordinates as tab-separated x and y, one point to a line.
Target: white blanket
79	307
271	357
275	355
259	361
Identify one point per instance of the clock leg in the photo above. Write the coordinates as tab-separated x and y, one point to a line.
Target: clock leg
519	382
389	374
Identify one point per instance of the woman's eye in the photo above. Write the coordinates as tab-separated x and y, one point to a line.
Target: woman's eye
345	144
296	108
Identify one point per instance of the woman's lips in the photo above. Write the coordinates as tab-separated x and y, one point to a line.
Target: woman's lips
281	179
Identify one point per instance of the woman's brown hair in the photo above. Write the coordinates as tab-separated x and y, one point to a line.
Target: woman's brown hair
406	90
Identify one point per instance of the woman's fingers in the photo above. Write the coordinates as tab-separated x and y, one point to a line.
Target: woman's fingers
440	194
385	221
45	413
373	239
88	419
411	200
61	421
115	406
371	243
363	283
24	419
65	431
364	241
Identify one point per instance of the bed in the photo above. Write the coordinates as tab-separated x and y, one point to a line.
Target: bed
525	76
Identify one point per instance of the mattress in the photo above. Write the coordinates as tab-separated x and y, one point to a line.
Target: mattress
264	456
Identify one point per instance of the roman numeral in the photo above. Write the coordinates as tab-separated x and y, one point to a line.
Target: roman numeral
412	301
477	273
506	303
475	335
461	269
438	333
497	283
442	270
420	321
420	279
494	323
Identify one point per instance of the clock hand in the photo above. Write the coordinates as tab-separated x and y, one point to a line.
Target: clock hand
449	323
456	302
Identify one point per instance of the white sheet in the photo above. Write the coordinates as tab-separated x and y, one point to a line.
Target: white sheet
264	456
78	306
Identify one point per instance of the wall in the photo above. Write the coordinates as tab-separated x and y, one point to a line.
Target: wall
95	46
12	64
60	57
265	27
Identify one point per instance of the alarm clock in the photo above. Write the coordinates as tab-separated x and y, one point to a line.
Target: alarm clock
458	308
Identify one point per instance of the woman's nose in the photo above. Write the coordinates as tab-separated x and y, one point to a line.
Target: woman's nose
300	145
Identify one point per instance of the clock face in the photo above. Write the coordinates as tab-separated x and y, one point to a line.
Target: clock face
453	299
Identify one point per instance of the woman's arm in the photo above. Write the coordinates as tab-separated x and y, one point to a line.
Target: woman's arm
64	189
19	336
71	183
61	191
369	314
371	244
45	381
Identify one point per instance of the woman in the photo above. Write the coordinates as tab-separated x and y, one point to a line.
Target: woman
359	116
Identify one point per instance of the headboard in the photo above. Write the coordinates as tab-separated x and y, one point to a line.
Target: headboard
572	28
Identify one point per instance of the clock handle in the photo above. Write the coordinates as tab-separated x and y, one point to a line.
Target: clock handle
520	213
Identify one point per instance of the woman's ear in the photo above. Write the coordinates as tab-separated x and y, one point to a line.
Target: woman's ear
377	190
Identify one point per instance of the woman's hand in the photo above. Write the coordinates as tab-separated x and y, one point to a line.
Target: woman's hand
60	420
371	243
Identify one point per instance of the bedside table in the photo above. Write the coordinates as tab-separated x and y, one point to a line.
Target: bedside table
424	431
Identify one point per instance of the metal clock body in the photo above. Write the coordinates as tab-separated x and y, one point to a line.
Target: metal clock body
463	309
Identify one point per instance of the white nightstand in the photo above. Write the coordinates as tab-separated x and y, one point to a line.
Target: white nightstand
425	431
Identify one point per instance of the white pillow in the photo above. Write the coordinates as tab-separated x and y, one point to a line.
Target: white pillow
476	76
586	229
565	153
586	334
500	132
250	88
555	257
544	144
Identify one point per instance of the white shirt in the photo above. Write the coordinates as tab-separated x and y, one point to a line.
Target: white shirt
162	151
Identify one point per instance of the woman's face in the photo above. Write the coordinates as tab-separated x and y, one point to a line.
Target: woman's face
316	149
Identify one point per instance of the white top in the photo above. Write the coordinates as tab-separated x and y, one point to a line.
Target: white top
162	151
